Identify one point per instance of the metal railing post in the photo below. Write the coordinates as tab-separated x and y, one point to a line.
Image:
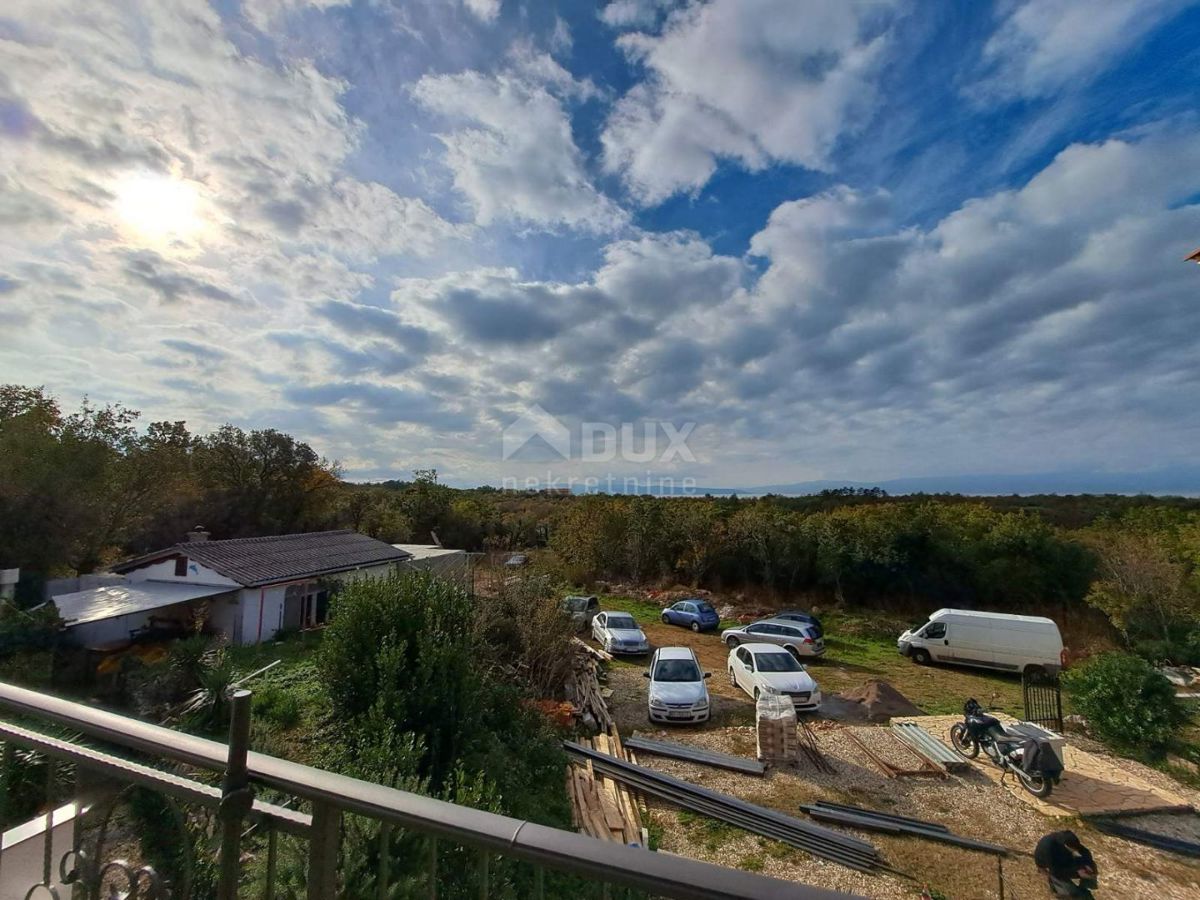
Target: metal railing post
323	842
237	797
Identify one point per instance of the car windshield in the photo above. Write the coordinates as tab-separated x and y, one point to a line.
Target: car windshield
776	662
622	622
575	604
676	670
705	608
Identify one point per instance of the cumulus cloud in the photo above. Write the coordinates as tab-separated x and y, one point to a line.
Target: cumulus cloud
1041	46
167	189
747	80
485	10
511	150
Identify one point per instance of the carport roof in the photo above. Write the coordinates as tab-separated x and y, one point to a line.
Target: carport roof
114	600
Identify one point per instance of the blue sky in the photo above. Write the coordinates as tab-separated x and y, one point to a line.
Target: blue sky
834	240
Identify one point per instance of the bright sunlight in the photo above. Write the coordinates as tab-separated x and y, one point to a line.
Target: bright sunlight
159	209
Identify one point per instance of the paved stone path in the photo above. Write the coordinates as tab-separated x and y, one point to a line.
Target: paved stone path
1091	785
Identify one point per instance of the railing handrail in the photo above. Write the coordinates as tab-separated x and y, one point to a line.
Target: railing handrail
538	844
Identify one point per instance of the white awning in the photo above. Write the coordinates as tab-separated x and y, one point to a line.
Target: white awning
111	601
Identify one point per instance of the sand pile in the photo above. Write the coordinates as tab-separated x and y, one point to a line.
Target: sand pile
880	701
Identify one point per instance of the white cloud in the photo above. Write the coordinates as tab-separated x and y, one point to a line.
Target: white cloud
751	80
634	13
161	185
1041	46
513	155
485	10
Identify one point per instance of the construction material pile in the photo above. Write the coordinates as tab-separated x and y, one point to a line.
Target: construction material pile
819	841
775	720
890	823
583	687
601	806
698	755
893	757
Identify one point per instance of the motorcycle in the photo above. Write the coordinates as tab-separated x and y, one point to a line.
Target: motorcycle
1033	762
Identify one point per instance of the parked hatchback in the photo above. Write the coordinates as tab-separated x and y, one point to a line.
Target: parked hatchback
799	639
677	689
697	615
757	668
618	632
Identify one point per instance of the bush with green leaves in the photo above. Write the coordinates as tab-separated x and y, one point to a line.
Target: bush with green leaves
404	653
1127	702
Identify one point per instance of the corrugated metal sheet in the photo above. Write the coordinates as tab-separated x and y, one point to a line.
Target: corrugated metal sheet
108	602
927	745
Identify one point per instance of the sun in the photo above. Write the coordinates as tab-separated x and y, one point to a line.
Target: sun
159	210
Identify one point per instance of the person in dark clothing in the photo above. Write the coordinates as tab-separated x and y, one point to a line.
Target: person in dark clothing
1065	861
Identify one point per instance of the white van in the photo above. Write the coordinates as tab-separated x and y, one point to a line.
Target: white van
991	640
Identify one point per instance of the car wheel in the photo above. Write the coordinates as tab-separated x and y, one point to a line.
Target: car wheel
792	650
1035	671
921	657
666	620
732	642
732	680
696	627
756	695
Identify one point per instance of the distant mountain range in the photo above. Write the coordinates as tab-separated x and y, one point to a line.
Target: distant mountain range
1179	481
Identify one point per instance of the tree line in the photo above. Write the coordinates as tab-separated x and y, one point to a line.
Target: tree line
81	489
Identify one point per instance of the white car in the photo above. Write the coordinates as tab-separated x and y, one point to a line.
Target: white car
756	668
617	632
677	689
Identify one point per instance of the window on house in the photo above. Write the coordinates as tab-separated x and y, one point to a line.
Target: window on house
180	566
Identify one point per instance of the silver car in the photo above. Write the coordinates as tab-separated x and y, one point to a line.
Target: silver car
617	632
796	637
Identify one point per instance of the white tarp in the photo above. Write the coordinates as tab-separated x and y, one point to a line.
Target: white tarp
110	601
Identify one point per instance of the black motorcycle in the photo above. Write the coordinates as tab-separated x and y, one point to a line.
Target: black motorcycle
1034	762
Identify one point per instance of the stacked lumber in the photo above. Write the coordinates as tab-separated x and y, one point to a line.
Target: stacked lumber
601	806
583	688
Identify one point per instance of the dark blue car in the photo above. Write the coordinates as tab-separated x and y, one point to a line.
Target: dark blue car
697	615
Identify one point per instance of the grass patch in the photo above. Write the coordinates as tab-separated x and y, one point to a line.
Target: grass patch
751	863
645	611
708	832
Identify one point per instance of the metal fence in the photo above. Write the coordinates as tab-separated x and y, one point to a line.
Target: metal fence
227	822
1042	692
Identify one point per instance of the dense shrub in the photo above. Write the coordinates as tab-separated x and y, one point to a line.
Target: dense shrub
28	629
404	663
1127	703
278	706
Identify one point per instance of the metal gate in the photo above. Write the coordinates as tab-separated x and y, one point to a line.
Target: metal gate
1043	699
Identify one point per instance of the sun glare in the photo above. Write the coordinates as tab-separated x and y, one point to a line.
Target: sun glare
159	209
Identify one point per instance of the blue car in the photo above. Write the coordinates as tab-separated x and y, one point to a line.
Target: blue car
697	615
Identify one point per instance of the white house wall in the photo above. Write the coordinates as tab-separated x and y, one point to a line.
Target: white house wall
165	571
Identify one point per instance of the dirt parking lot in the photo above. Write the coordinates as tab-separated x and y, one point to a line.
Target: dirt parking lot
970	804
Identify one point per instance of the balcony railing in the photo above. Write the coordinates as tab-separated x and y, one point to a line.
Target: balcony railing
407	845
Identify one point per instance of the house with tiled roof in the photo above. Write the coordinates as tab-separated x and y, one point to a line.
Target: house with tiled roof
246	589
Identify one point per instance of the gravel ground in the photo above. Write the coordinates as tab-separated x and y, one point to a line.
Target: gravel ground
970	805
